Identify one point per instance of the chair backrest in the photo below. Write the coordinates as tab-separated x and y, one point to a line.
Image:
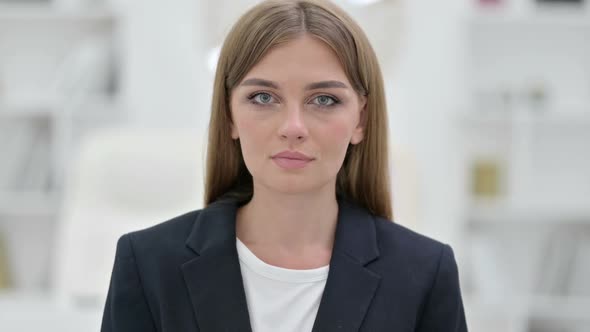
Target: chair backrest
123	179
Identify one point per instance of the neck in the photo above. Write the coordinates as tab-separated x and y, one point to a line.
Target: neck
289	221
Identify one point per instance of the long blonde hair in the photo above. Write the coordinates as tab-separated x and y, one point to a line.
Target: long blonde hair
364	176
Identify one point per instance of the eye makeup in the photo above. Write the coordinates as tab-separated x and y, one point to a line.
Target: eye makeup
264	98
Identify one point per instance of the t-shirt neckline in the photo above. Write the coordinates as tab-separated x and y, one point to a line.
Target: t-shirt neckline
273	272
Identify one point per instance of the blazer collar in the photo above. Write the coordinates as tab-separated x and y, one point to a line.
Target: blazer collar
215	283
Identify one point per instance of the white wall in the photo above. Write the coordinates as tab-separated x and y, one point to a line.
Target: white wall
164	75
425	92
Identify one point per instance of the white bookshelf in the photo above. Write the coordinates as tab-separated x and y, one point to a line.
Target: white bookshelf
17	308
516	273
513	314
28	106
553	118
59	79
28	204
505	213
532	20
48	13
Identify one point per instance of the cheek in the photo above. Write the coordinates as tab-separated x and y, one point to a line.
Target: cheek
335	139
253	137
254	127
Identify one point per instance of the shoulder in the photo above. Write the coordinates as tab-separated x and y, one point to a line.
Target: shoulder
403	249
162	239
422	271
393	236
417	268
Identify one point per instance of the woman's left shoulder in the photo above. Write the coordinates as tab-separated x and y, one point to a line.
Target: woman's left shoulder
423	271
400	242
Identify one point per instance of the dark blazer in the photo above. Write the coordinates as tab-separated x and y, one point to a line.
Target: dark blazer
183	275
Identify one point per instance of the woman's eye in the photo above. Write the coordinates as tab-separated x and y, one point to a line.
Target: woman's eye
324	100
262	98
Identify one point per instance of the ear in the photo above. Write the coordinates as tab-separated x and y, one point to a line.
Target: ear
234	131
232	126
359	132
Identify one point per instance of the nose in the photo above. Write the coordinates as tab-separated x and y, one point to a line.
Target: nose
293	127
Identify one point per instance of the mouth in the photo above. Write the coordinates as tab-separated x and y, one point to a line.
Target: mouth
291	159
294	155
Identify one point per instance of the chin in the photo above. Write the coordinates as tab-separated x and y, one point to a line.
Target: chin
295	185
288	183
291	187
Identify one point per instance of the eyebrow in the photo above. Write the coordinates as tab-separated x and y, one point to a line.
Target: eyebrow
311	86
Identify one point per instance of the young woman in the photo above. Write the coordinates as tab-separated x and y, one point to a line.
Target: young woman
296	234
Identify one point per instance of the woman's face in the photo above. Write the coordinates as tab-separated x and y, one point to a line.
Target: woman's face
296	99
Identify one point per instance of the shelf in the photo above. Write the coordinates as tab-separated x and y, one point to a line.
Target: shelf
551	213
537	20
27	204
33	299
572	308
17	308
554	307
38	106
547	119
51	14
28	106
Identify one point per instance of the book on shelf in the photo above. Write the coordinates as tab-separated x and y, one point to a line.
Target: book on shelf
16	138
88	69
562	263
489	276
578	282
36	171
25	156
4	272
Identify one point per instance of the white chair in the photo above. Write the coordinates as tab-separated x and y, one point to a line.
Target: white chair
124	179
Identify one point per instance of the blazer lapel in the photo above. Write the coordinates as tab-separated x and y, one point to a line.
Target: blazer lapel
214	279
350	286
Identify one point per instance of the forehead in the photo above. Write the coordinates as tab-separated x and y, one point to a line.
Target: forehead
303	59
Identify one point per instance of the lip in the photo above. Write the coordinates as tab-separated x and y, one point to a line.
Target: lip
291	159
292	155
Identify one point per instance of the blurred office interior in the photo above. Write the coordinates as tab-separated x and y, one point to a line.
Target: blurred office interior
104	107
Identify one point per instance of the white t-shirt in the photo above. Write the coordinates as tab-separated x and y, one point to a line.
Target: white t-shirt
280	299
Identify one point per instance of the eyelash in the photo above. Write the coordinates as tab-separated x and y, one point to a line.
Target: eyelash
251	97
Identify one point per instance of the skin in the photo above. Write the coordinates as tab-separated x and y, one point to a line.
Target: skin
291	220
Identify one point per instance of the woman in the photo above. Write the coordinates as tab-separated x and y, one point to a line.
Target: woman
296	234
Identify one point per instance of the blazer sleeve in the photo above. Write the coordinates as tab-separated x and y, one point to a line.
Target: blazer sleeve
126	308
443	310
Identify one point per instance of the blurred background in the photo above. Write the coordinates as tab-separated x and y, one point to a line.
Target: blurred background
104	106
